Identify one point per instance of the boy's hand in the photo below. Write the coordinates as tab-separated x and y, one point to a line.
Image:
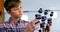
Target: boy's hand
30	27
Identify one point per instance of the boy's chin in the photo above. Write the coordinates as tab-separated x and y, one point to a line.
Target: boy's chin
19	16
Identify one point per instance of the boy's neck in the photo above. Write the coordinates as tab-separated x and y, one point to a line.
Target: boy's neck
15	19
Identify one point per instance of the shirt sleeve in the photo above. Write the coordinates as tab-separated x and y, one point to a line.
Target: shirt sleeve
2	28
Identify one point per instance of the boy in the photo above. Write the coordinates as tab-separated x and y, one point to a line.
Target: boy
15	24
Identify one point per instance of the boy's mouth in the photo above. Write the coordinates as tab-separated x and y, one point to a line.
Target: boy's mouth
20	14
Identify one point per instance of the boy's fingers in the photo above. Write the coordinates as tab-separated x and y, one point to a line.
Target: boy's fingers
34	21
31	26
36	28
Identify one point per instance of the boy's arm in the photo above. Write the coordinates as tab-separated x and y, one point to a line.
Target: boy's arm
30	27
1	28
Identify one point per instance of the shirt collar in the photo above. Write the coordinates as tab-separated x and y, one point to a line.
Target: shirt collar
10	19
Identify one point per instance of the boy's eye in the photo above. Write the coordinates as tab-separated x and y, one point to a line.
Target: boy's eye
15	9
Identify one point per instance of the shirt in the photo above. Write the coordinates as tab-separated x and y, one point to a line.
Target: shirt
13	26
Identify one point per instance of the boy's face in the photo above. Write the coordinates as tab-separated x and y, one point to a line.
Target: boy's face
16	11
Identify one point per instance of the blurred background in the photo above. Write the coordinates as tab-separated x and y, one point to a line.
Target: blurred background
30	8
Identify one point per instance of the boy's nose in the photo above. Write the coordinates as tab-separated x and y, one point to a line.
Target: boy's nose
20	10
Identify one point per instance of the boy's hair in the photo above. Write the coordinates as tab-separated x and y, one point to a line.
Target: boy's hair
11	3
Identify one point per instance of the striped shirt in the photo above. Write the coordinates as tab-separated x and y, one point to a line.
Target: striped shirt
13	26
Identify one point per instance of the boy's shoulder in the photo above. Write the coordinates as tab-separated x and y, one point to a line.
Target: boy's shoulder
23	21
20	20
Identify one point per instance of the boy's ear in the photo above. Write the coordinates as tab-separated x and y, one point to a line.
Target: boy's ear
9	12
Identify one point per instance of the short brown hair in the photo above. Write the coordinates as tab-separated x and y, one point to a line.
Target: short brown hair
10	4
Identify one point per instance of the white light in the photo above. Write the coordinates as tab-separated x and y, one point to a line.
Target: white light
24	17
